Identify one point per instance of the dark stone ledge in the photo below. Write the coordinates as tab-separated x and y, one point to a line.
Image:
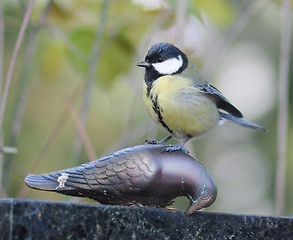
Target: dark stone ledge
30	219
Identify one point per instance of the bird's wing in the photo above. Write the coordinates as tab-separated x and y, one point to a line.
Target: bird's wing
202	84
127	171
221	101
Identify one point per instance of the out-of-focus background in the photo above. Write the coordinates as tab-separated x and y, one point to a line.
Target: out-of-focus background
77	63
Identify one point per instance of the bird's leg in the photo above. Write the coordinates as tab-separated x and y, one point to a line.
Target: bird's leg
154	142
179	147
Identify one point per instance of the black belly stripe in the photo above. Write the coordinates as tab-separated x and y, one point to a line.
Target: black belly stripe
158	110
149	88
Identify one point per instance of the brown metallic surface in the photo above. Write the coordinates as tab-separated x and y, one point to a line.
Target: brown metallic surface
140	175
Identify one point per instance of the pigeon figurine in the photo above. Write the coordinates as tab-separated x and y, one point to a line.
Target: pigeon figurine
143	175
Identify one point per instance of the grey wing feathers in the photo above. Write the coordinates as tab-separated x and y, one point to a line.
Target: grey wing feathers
221	101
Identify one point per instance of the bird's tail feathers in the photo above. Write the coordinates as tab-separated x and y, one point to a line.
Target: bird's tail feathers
240	121
44	182
66	181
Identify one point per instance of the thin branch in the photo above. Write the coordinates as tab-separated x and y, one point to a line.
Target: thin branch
219	48
283	105
81	130
22	94
94	62
69	44
1	45
12	62
54	133
1	82
180	21
136	132
8	150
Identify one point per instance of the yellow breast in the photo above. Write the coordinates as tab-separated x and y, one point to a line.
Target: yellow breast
183	109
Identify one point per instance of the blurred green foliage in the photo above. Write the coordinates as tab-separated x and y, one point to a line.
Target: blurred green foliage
60	62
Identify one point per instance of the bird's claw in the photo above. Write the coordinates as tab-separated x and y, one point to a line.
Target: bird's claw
155	142
152	142
174	148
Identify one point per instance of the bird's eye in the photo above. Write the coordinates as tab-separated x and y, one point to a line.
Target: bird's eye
160	59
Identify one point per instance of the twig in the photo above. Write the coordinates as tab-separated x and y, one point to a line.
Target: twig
283	105
218	50
9	150
22	93
81	130
54	133
69	44
1	82
1	45
180	21
12	62
136	132
94	61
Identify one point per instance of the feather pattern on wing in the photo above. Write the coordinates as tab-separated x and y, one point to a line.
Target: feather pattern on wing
120	173
221	101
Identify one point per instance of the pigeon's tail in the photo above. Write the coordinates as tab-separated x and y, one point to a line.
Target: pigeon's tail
241	121
46	182
69	181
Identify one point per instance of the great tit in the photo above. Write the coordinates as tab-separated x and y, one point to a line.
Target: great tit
180	99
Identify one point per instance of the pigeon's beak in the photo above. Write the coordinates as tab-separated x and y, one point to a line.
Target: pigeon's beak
144	64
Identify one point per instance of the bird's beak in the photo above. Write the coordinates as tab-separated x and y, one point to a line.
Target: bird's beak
144	64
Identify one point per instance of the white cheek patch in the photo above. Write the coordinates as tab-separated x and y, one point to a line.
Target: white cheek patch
169	66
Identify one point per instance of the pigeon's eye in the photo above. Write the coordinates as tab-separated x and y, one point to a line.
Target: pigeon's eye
160	59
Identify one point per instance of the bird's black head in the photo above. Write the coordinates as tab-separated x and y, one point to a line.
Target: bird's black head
163	59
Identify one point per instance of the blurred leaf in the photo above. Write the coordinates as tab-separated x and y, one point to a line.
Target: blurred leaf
116	57
59	12
83	38
53	59
192	7
219	11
